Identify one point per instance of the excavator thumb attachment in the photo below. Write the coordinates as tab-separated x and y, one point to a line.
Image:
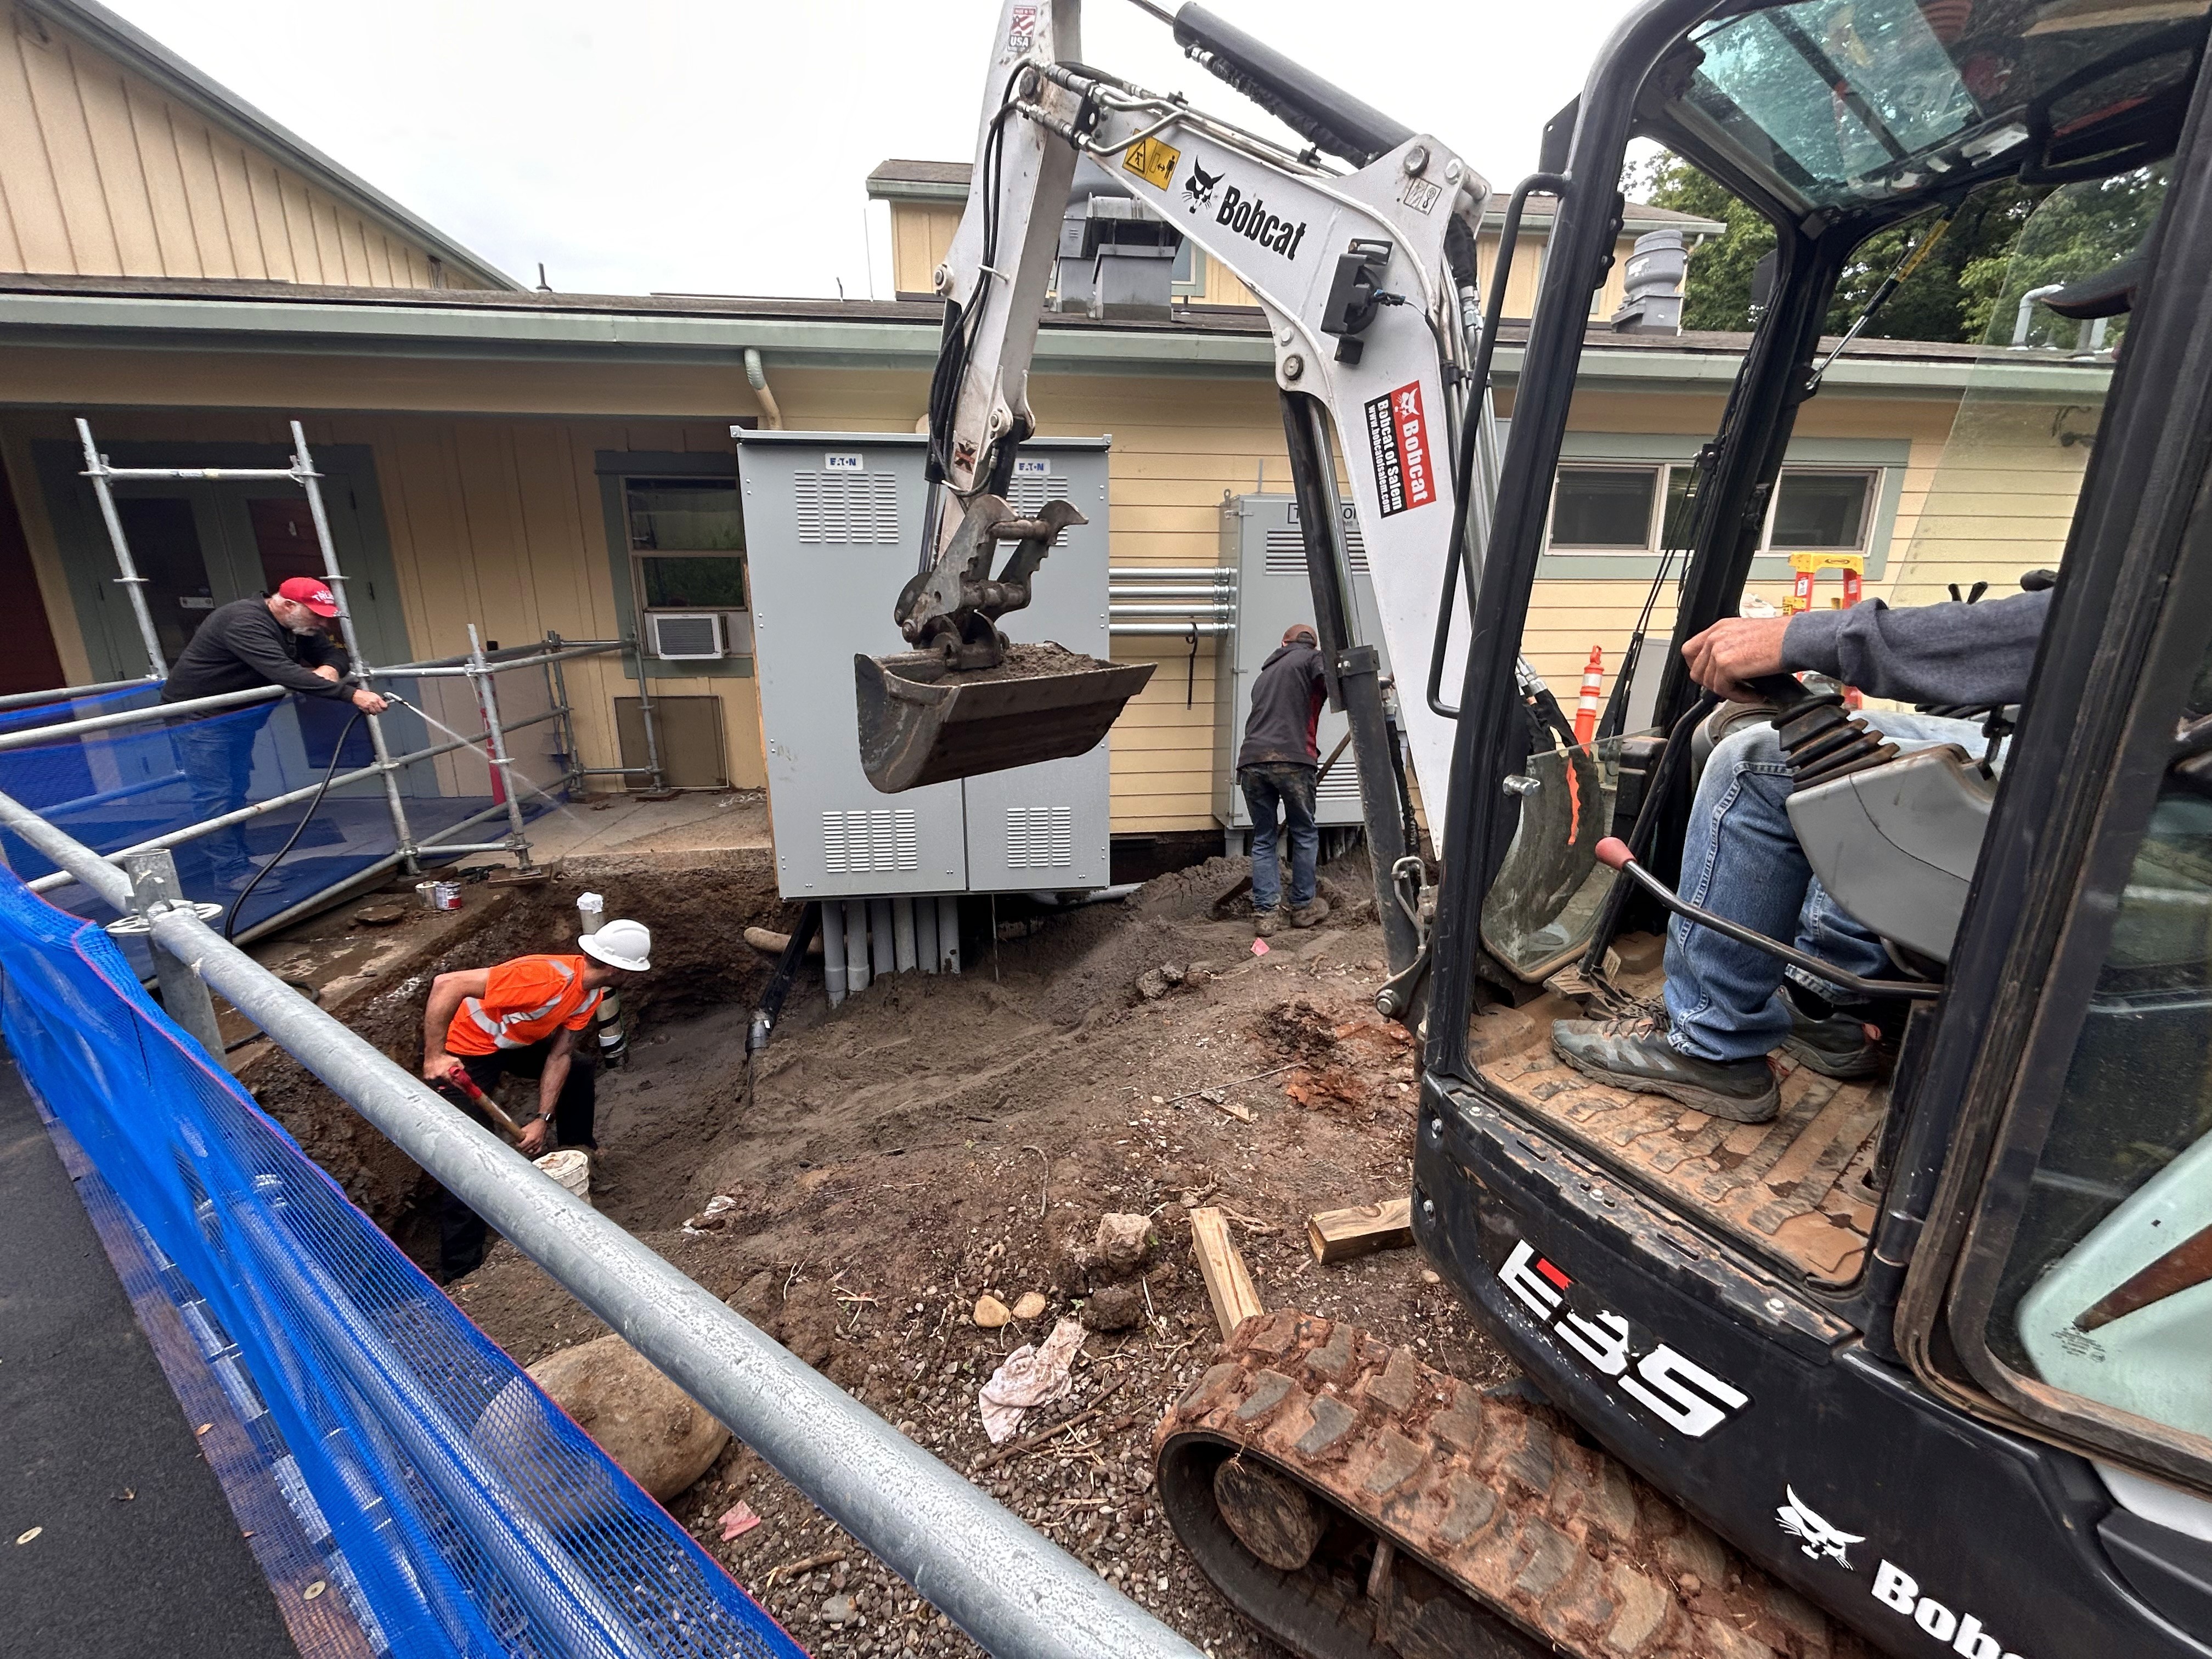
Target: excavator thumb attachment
922	722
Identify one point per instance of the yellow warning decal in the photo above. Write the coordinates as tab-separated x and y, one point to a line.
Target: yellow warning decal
1153	160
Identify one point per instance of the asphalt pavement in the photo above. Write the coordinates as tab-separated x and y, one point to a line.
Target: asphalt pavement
136	1548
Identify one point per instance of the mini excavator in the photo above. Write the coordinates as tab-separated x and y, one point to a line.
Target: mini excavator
1920	1366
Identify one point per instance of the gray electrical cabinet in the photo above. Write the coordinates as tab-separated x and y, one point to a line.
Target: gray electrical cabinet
1261	541
833	532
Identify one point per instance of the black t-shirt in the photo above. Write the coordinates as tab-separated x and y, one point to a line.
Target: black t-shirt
241	646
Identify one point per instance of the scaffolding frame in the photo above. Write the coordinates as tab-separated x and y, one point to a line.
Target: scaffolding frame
478	667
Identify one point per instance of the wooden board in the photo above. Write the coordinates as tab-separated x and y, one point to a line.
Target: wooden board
1340	1235
1228	1281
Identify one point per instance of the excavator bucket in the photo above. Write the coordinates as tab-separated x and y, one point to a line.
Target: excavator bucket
923	723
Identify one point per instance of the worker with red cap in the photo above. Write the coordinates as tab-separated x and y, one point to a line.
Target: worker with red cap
275	641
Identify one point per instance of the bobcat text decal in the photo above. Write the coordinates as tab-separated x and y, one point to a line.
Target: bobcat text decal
1398	438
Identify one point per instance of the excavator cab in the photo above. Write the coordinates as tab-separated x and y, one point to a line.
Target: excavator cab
1915	1367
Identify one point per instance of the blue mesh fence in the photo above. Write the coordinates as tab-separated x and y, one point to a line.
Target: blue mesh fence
113	788
459	1510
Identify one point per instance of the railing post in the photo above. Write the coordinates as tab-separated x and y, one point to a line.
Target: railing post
645	719
556	682
95	468
496	740
303	470
155	888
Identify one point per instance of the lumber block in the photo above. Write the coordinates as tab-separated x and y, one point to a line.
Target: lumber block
1228	1281
1340	1235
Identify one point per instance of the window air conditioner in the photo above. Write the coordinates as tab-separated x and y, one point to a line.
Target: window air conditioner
687	636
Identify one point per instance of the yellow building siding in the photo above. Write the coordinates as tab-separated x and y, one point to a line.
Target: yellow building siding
103	175
496	519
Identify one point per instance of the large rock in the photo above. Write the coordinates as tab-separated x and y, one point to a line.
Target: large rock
662	1438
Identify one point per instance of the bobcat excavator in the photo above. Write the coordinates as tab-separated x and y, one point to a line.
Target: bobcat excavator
1923	1366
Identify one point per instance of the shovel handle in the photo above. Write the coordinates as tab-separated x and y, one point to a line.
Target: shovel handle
457	1075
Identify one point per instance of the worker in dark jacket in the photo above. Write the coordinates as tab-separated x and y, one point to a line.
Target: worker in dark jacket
1727	1004
277	641
1276	769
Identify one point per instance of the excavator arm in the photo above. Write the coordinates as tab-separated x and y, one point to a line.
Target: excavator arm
1364	266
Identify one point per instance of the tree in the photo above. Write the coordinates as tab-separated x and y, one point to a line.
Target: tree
1934	303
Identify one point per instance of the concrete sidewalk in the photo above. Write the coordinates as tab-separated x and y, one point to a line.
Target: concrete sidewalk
137	1551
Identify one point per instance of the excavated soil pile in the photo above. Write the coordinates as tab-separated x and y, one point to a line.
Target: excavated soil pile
938	1138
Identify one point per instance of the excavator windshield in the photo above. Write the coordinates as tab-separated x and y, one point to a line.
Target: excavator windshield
1838	104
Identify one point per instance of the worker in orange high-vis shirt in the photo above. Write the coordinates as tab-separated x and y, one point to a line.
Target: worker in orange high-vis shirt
522	1016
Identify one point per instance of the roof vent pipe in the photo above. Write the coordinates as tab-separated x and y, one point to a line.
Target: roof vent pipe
2025	314
1653	304
757	377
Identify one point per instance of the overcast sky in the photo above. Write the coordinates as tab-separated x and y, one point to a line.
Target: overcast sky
684	146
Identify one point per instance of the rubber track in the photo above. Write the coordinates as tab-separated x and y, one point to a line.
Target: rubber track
1490	1492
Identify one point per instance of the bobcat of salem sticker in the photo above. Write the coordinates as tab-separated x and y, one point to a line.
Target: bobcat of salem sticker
1950	1632
1398	438
1679	1393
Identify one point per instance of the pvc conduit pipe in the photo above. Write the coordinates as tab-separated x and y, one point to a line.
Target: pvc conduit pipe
757	378
2027	305
833	950
1222	575
903	934
925	933
856	946
948	933
1012	1590
1208	610
1206	630
1207	596
883	949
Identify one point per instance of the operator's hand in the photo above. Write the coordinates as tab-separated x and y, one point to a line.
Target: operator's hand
367	702
327	672
436	1063
1732	652
534	1137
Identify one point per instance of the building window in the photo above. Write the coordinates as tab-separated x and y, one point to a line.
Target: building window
1615	510
1190	271
686	515
687	543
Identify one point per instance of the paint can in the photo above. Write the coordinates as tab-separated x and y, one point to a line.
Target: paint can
440	895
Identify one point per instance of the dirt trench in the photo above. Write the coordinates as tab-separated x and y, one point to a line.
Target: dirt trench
697	904
938	1138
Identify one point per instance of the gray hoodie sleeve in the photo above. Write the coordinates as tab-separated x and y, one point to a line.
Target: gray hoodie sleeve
1967	654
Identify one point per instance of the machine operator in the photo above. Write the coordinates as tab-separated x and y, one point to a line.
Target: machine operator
275	641
522	1016
1726	1004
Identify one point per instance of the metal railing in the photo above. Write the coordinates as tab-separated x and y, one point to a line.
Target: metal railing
1007	1586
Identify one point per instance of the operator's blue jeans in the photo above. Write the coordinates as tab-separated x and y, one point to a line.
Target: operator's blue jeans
1740	859
1292	788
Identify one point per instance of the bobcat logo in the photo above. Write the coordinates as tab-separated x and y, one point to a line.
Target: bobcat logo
1200	186
1821	1537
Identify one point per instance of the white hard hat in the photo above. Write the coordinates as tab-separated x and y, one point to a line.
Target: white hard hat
621	944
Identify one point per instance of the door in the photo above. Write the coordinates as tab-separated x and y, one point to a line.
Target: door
2065	1280
201	543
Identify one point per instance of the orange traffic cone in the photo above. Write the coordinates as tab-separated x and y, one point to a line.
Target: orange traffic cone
1586	710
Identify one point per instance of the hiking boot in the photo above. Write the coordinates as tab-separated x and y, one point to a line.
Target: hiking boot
1264	922
1309	915
1838	1046
1634	1055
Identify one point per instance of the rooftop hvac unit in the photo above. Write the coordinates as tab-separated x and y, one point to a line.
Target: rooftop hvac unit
686	636
833	523
1263	542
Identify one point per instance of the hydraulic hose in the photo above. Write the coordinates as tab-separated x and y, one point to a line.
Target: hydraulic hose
338	750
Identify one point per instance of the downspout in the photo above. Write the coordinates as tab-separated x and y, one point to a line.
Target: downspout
757	376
